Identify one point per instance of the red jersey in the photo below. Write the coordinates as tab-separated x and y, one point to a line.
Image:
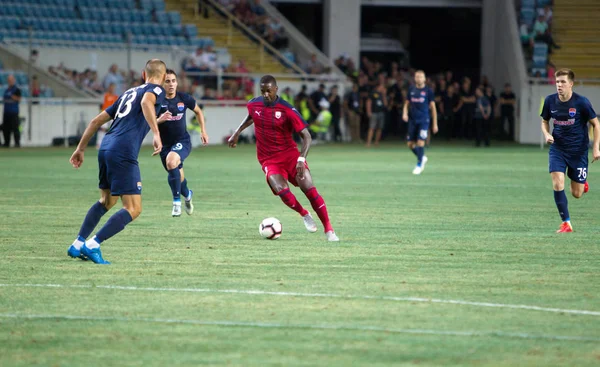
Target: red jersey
274	124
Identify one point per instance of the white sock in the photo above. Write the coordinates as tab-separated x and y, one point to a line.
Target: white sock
77	244
92	244
177	203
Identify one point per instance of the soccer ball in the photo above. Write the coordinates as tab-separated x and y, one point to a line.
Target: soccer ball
270	228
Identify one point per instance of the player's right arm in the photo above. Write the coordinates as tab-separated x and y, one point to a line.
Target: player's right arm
148	103
596	147
236	135
77	157
546	122
405	111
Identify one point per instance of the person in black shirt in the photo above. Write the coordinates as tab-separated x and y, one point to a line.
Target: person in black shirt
467	108
491	96
335	107
353	106
376	110
10	119
313	101
507	110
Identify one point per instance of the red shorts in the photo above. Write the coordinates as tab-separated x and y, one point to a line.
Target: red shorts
285	166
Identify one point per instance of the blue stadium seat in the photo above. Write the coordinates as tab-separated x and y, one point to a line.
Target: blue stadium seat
158	5
174	17
527	16
106	27
176	29
539	61
530	4
542	3
540	49
190	30
118	28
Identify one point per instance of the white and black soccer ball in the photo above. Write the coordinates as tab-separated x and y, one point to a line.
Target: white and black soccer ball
270	228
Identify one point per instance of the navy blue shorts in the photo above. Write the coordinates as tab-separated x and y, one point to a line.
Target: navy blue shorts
118	174
183	148
576	165
417	130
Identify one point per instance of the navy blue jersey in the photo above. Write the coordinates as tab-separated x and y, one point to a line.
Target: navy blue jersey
175	130
419	99
570	121
129	127
10	105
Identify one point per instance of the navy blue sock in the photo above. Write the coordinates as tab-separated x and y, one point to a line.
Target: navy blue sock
420	153
562	204
91	220
414	150
114	225
175	183
184	189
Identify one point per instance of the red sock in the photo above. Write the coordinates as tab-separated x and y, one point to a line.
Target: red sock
318	204
290	200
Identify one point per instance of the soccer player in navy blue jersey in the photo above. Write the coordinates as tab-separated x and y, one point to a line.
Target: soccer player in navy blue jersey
569	141
422	111
176	140
133	115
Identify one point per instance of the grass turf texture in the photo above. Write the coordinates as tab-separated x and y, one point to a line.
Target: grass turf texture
477	226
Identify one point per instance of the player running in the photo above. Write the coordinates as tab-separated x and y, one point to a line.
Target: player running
133	115
422	106
176	140
274	122
569	141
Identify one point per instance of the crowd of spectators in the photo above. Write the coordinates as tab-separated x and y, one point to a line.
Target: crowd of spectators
535	28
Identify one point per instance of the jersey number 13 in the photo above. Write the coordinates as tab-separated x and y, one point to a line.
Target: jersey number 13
127	99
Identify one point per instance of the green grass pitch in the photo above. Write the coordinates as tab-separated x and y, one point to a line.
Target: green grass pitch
458	266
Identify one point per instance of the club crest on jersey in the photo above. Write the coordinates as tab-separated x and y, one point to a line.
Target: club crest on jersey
572	112
277	114
180	106
423	93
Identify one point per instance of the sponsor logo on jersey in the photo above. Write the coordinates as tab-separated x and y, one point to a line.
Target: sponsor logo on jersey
417	100
572	112
180	106
177	117
569	122
277	114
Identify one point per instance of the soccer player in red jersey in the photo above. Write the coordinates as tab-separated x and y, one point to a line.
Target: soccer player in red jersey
274	122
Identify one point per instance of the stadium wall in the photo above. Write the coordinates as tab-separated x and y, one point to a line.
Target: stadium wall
530	103
57	118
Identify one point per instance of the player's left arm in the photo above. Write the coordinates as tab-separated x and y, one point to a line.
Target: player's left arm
596	147
77	157
200	118
301	127
149	111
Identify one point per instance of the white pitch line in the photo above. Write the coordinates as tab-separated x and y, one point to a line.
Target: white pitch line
315	295
262	325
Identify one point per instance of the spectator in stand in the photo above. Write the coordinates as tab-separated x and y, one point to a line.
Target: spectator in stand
335	107
394	107
376	108
35	89
449	102
313	66
302	104
313	101
114	77
507	102
541	32
353	107
467	108
241	9
546	12
483	112
109	98
258	9
491	96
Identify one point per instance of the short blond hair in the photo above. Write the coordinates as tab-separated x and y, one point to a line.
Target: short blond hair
155	68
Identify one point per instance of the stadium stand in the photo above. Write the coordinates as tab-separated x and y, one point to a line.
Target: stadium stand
576	28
